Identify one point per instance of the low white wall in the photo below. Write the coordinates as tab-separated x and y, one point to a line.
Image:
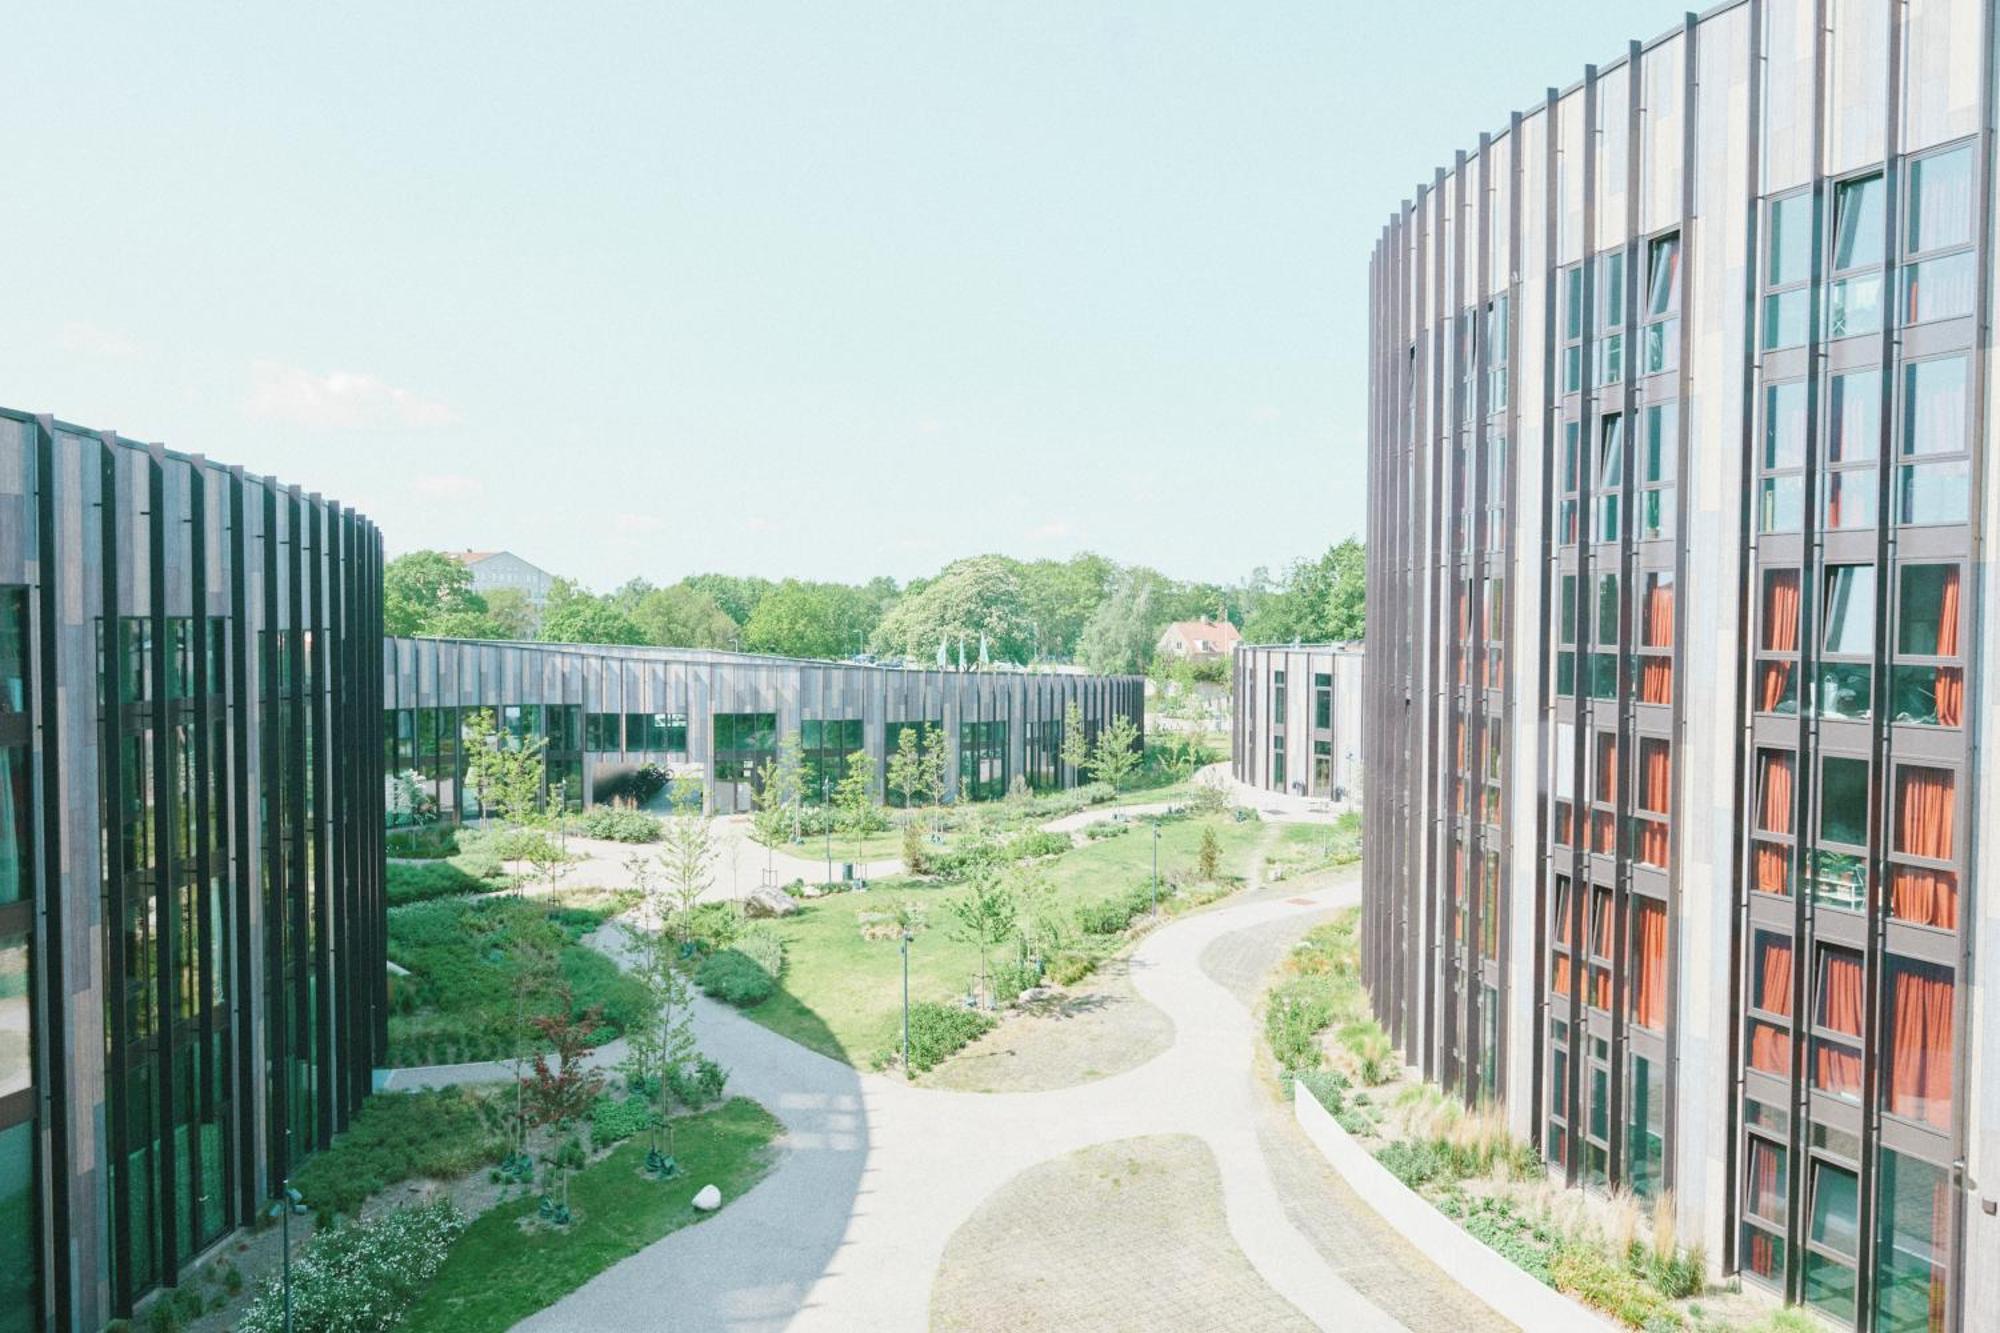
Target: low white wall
1512	1293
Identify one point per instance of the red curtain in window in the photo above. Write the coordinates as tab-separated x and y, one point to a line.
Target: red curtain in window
1607	769
1561	982
1838	1068
1774	811
1649	981
1656	674
1565	834
1655	787
1920	999
1924	815
1764	1197
1606	827
1950	680
1771	1047
1781	634
1770	863
1656	680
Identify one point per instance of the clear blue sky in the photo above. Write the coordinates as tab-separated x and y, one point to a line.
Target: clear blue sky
811	289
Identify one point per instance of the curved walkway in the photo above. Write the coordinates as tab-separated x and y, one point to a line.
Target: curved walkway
850	1229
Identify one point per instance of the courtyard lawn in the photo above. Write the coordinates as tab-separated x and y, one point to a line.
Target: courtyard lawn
507	1266
841	994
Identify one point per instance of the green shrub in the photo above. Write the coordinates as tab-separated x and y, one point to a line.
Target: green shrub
1678	1276
1328	1088
696	1085
1298	1010
938	1030
1495	1224
735	978
524	844
1066	969
359	1275
1586	1272
1009	977
1108	829
714	925
1417	1162
398	1136
614	1119
615	824
1039	842
1097	793
765	947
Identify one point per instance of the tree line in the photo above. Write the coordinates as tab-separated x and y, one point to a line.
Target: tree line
1087	609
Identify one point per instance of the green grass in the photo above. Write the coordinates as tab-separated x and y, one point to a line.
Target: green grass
842	994
505	1267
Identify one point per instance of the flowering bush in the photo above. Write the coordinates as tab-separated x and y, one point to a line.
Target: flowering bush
359	1277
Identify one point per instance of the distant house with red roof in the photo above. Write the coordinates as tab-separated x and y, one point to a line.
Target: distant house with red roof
1199	640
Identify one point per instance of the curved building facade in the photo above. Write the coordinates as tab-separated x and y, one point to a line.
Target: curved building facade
1680	461
606	711
1296	719
191	961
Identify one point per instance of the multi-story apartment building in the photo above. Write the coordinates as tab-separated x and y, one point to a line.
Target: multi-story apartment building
191	910
1680	428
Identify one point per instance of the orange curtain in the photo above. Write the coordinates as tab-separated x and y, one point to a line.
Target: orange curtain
1607	769
1766	1197
1920	999
1561	982
1950	680
1649	982
1775	808
1656	680
1565	833
1656	770
1838	1068
1781	634
1606	826
1771	863
1924	815
1602	946
1660	616
1771	1047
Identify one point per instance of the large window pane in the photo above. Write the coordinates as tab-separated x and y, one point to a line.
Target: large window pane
1843	812
1940	201
1932	492
1854	420
16	826
1934	407
1788	251
1857	223
1850	610
1912	1245
1784	426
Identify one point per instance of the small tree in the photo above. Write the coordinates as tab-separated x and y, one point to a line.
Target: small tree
505	772
985	918
562	1094
663	1044
779	796
854	798
1075	750
913	848
1045	922
936	766
906	765
687	857
531	947
1208	858
1116	754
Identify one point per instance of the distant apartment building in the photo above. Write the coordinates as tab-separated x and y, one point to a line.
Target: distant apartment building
1679	432
494	571
1296	719
1199	640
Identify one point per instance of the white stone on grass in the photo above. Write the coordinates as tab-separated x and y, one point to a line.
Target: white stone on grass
708	1199
767	901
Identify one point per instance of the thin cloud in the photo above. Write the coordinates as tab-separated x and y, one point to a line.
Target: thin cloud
337	400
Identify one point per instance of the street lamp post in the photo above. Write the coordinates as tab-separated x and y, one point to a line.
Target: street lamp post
826	811
907	1072
286	1205
1156	867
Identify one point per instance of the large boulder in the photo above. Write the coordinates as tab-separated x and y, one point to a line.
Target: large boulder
708	1199
767	901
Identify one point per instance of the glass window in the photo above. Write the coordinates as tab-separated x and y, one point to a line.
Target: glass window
17	873
1854	419
13	651
1934	407
1932	493
1850	609
1788	249
1607	608
1843	813
1784	426
1858	215
1940	201
1912	1244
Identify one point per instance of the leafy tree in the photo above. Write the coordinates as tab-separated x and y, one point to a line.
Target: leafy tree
505	771
985	918
1059	596
905	765
532	947
1075	750
576	615
1116	755
854	798
738	597
421	587
1120	634
664	1043
969	598
687	856
798	619
510	615
779	794
934	766
1320	601
677	616
558	1095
